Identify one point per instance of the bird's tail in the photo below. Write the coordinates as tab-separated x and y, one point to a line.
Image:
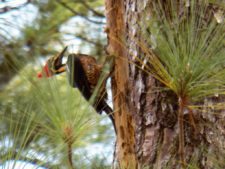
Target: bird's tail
108	110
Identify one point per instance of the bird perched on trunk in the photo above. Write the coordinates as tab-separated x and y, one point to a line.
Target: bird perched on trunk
84	74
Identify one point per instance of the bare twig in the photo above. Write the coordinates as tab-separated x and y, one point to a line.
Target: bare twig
70	155
83	38
10	8
78	14
88	40
91	9
69	140
182	104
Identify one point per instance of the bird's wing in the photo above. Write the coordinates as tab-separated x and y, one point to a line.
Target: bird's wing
77	76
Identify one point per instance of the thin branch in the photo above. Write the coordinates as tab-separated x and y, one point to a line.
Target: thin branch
78	14
70	155
182	106
10	8
83	38
88	40
91	9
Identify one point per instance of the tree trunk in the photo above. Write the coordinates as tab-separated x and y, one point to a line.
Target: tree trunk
146	119
123	119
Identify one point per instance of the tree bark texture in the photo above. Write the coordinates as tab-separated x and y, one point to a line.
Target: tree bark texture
147	116
123	120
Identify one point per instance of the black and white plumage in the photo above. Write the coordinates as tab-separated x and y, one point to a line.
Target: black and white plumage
84	74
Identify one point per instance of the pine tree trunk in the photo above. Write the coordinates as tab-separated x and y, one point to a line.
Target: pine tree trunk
146	119
123	119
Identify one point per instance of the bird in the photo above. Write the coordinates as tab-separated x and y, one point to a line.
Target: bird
84	74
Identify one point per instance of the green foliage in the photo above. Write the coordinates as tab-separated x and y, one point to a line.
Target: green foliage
44	117
46	34
189	54
40	119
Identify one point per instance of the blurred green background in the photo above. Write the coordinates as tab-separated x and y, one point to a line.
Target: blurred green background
37	116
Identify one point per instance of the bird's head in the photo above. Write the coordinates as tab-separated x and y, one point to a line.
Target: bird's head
53	66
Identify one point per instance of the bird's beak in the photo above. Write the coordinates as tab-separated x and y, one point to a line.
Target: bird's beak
60	57
56	62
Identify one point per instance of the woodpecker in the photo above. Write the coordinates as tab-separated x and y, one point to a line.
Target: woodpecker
84	73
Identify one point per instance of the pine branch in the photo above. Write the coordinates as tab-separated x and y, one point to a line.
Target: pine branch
15	156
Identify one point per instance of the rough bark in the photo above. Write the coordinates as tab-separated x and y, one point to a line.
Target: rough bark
154	113
123	119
